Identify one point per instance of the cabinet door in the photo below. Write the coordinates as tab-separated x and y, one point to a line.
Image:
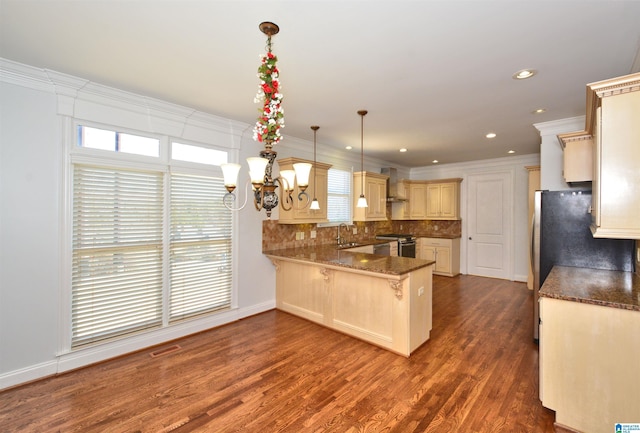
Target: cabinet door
376	198
428	252
433	201
448	200
417	201
619	167
443	260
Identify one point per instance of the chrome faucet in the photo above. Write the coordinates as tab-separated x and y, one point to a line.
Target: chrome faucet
339	238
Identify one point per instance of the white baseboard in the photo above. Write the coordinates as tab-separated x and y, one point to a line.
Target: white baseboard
521	278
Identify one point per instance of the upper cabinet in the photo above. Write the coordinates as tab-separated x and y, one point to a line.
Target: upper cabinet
443	199
428	200
613	120
578	156
300	212
375	191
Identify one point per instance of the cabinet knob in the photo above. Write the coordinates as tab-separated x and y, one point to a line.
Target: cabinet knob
469	237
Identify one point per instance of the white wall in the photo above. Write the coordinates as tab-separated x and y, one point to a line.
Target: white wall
551	155
520	234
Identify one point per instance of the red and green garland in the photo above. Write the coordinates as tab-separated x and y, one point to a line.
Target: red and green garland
267	128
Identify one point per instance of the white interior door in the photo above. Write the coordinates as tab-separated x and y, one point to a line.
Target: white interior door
490	221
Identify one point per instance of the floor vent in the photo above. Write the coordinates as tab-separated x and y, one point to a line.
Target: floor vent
165	351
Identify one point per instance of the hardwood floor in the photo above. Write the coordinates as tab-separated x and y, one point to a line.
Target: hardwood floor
277	373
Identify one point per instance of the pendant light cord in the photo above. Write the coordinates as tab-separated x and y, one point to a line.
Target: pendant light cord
362	113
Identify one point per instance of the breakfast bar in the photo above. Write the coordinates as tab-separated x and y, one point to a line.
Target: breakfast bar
383	300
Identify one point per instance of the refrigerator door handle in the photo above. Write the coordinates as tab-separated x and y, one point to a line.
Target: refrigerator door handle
533	249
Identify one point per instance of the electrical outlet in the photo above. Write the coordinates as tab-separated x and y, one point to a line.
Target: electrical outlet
301	236
366	229
312	235
355	230
421	291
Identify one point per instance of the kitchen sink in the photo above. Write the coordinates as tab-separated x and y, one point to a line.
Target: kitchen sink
348	245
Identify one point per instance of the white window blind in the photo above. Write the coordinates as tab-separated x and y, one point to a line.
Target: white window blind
117	252
339	195
200	250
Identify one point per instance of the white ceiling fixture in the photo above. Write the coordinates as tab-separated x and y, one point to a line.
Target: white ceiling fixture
523	74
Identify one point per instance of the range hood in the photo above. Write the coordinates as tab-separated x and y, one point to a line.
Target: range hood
392	185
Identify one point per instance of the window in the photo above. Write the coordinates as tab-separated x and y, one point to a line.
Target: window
339	196
94	138
150	246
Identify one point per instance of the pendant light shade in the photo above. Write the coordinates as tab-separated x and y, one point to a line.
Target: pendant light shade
362	201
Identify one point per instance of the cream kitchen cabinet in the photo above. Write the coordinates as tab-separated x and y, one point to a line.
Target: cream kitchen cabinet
613	113
418	201
577	157
299	213
428	200
375	191
443	199
445	252
589	364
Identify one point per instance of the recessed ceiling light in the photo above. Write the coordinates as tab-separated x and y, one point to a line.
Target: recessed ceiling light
435	161
348	147
539	111
524	74
512	151
491	135
403	150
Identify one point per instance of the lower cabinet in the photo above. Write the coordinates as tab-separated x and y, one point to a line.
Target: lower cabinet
445	252
589	364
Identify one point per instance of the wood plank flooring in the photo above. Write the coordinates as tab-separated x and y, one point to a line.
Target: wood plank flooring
277	373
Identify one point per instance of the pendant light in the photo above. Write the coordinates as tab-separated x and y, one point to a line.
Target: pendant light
362	201
314	203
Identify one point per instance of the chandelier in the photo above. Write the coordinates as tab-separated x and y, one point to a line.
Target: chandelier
267	131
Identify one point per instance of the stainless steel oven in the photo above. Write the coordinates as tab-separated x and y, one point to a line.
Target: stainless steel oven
406	243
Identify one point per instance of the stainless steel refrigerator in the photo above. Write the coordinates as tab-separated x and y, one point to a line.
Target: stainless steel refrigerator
561	236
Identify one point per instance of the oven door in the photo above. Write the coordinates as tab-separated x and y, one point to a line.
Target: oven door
407	249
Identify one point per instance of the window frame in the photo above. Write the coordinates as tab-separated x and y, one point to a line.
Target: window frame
73	154
350	201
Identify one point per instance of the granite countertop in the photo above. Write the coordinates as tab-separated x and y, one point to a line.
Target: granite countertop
438	236
332	256
615	289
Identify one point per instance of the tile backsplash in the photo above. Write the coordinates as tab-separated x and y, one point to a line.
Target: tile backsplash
277	236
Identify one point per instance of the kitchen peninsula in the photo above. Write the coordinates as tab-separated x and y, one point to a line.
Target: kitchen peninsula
383	300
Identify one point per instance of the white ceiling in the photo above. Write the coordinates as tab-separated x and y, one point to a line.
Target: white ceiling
435	76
